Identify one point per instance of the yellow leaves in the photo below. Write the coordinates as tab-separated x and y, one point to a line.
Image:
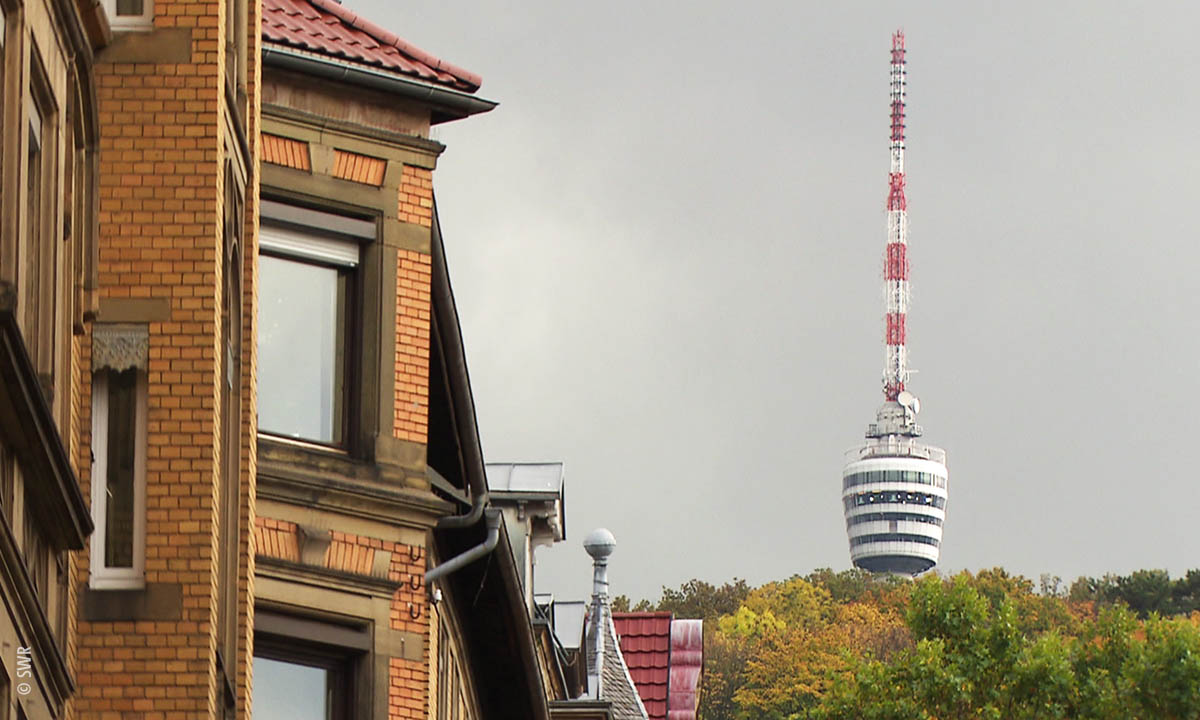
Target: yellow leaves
749	625
795	602
802	643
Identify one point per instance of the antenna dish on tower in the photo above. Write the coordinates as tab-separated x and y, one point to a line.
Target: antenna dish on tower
909	401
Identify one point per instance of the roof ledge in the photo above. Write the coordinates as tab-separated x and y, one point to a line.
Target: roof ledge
447	103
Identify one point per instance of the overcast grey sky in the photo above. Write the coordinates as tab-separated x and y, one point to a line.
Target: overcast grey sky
666	248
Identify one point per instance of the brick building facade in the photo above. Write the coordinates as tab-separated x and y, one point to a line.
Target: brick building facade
47	224
235	416
353	478
168	365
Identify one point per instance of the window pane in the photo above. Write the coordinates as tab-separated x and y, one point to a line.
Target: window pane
288	691
122	433
129	7
300	349
33	245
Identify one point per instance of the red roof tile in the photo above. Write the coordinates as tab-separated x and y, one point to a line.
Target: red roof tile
646	644
326	28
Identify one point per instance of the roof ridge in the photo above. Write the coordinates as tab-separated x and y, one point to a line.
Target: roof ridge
387	37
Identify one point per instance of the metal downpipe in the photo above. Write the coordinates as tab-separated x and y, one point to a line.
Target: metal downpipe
472	517
493	519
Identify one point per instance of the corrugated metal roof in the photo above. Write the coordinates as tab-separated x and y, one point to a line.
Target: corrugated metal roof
326	28
646	646
687	664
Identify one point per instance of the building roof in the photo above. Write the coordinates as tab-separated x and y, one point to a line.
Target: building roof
604	655
325	28
646	645
526	478
569	619
687	664
665	659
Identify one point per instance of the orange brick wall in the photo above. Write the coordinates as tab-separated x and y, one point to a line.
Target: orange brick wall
249	366
285	151
161	185
416	196
358	168
409	686
408	696
412	345
277	539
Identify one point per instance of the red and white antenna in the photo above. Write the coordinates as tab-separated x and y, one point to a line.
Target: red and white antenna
895	264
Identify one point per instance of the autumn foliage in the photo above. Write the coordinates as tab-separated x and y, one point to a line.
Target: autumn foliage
849	645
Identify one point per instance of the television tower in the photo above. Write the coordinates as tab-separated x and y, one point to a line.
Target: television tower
894	487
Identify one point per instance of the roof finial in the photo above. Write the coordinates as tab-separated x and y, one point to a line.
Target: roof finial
600	543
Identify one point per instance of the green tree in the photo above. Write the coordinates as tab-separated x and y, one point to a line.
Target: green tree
1145	592
697	599
1167	673
622	603
857	585
1185	593
836	646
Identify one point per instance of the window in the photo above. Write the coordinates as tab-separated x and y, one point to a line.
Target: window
866	498
33	234
307	669
897	476
893	537
118	456
291	690
8	481
451	690
306	290
231	440
894	517
40	261
3	64
130	14
35	551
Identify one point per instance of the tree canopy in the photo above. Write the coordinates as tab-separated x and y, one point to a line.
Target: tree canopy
842	645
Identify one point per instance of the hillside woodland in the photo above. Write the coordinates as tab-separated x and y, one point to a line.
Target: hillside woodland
852	646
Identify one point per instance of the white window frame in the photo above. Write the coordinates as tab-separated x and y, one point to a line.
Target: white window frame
101	577
120	23
309	248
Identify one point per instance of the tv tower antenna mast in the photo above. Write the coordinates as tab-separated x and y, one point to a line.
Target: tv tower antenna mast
895	268
894	487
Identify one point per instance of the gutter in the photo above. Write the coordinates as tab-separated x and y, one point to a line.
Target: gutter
454	104
445	325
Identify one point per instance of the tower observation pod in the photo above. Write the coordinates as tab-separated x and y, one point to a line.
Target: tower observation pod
893	486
